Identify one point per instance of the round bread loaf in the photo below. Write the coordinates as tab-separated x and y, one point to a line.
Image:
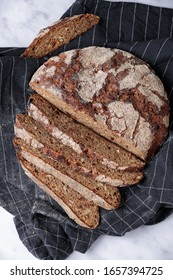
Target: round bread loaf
111	91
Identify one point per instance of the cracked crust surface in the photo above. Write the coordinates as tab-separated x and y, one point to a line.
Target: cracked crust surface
111	91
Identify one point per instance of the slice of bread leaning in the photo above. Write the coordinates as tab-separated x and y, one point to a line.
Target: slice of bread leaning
59	34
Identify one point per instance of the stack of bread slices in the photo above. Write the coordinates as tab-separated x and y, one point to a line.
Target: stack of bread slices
97	116
79	168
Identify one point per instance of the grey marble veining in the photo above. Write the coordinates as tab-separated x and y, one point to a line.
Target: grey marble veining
20	21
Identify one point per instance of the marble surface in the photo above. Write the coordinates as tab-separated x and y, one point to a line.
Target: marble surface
20	21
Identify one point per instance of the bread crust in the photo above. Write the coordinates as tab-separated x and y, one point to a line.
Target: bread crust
111	91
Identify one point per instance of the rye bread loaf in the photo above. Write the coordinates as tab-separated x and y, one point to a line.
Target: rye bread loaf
112	92
103	195
83	212
59	34
80	138
34	135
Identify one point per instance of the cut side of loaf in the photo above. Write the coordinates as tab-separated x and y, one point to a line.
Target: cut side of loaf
110	91
80	138
34	135
105	196
83	212
59	34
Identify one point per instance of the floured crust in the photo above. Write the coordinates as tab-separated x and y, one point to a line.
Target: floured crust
111	91
59	33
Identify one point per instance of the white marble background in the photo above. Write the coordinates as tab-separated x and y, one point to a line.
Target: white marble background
20	21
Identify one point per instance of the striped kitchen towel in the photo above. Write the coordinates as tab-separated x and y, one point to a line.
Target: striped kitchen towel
44	228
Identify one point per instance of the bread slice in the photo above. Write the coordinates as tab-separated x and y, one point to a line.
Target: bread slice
83	212
34	135
59	34
103	195
80	138
112	92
